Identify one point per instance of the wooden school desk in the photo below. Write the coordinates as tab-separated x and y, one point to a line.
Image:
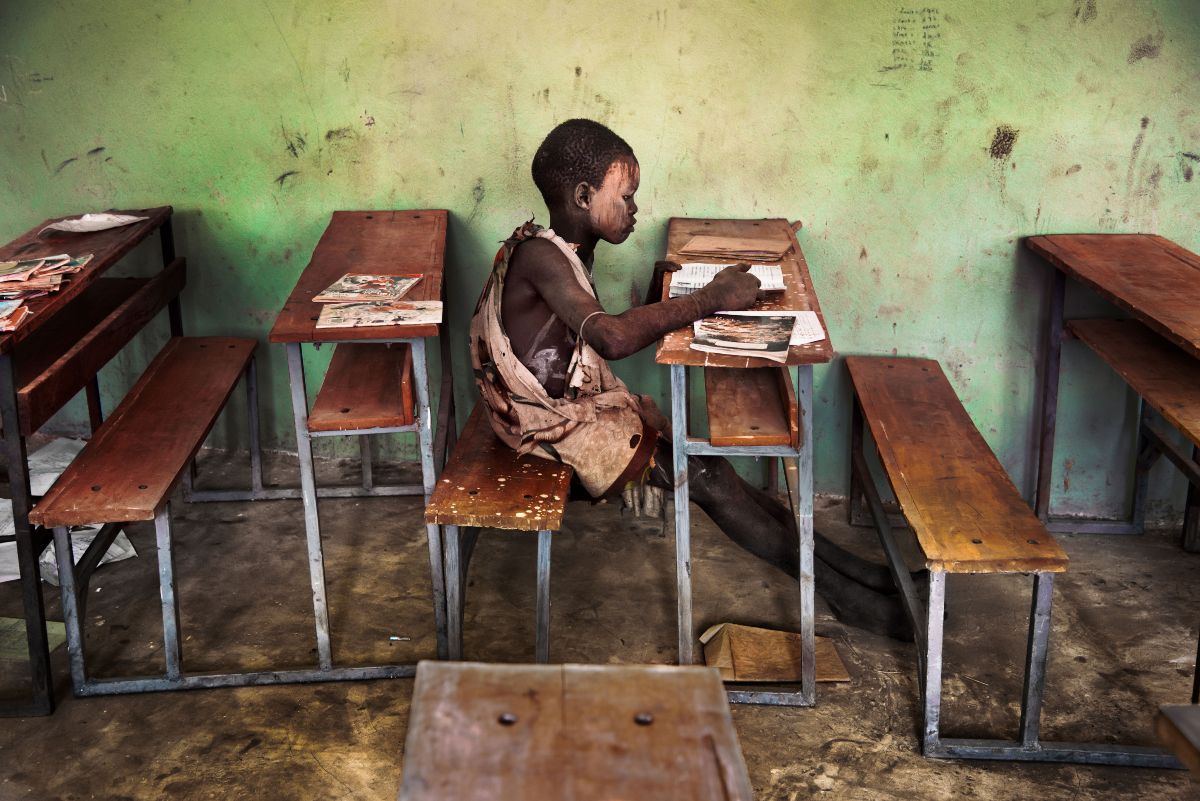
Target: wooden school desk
1157	352
571	733
54	354
369	387
753	410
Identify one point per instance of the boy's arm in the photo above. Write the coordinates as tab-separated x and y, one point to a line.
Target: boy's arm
615	336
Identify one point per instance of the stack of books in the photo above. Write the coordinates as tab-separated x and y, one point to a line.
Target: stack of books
358	299
21	281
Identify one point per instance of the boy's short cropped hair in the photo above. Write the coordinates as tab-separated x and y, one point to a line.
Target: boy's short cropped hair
576	150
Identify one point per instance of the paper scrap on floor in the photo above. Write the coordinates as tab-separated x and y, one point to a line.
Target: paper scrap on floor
15	645
694	275
751	654
93	222
45	466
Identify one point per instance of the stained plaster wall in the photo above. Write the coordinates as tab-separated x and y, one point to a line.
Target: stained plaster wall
916	143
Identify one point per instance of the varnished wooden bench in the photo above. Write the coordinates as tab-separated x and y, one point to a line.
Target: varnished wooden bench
967	517
127	473
486	484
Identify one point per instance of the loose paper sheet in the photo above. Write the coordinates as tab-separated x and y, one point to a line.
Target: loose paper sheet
45	466
92	222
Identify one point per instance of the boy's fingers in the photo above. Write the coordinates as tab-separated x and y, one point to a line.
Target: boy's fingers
743	266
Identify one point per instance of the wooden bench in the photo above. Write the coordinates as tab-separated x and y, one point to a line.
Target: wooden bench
1168	381
127	473
967	517
571	733
486	484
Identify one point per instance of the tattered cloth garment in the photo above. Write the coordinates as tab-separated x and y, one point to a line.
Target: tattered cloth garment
596	427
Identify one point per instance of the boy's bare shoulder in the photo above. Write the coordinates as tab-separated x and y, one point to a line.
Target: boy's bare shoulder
537	256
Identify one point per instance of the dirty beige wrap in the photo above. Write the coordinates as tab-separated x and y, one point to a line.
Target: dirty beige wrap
596	427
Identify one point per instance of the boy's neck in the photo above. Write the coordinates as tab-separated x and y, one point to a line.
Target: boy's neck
575	230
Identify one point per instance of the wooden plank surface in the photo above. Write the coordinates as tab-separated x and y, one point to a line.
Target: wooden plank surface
962	506
60	359
1149	276
106	247
486	483
573	734
374	243
1165	375
798	295
367	385
750	407
130	466
1178	727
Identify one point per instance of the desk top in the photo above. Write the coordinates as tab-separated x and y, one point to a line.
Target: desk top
571	732
798	294
1149	276
106	247
373	243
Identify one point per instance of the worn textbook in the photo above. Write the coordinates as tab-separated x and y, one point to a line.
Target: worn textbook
358	287
353	315
696	275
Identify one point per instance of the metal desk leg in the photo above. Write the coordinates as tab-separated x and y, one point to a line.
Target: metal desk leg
27	547
454	605
543	598
683	560
800	487
308	490
1049	416
172	649
70	605
429	479
931	694
256	466
166	236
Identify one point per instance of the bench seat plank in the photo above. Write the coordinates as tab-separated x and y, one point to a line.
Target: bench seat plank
487	484
965	511
755	406
130	466
1167	377
368	385
571	732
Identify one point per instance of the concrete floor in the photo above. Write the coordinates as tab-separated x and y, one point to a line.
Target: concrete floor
1124	641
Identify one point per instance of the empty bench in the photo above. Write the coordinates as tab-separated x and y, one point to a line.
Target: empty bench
967	517
127	473
486	484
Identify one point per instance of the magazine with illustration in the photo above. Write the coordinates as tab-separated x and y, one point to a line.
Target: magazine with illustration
758	334
354	287
353	315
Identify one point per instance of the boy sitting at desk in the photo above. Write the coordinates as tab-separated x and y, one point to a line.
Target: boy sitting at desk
540	344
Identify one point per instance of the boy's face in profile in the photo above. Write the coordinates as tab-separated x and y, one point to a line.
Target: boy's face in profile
612	208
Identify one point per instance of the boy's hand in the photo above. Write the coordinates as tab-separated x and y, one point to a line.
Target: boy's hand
732	289
655	290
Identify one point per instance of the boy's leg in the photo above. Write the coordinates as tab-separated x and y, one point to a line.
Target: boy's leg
758	528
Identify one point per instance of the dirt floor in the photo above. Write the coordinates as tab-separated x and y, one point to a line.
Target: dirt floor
1124	641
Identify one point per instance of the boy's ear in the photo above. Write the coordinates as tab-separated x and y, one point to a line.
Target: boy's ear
582	196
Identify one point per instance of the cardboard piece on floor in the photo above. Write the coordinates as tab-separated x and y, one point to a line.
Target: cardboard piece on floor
13	644
749	654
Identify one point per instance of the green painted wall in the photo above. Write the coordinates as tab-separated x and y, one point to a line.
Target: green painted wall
873	122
